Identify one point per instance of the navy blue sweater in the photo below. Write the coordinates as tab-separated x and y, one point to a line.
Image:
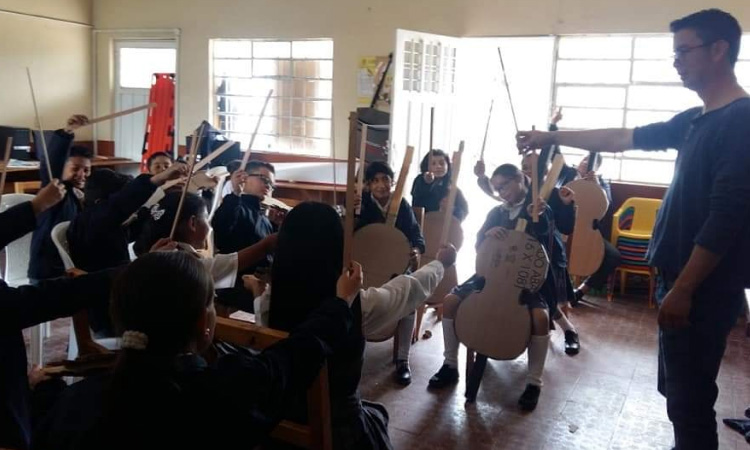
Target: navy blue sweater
406	221
96	236
24	307
708	201
45	259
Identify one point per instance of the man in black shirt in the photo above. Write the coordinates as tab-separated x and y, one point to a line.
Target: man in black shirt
700	236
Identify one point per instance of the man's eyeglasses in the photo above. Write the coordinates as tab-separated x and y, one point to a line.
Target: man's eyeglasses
267	181
680	53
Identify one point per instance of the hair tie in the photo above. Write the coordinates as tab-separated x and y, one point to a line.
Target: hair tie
134	340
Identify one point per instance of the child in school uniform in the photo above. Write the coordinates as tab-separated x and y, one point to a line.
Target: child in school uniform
240	221
432	186
513	186
72	165
97	238
307	263
560	212
375	203
190	236
26	306
159	162
163	393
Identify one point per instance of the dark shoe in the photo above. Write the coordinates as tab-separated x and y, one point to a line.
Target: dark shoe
577	297
402	375
446	376
530	397
572	344
747	413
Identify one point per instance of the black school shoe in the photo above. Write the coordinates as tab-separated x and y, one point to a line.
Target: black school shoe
747	413
572	344
446	376
402	375
577	297
529	398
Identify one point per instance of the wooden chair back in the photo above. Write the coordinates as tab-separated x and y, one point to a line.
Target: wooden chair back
316	435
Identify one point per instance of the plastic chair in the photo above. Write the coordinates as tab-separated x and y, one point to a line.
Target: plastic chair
60	238
17	257
632	226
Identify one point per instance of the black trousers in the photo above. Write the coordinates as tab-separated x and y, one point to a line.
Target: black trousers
689	361
612	259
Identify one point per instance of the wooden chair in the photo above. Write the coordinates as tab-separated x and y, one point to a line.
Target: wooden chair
419	214
316	435
27	187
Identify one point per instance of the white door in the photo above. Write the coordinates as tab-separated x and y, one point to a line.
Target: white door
136	62
424	86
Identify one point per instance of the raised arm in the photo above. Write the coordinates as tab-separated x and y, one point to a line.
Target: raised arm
611	140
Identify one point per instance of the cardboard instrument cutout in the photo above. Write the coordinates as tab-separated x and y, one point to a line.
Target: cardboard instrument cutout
381	248
587	242
442	228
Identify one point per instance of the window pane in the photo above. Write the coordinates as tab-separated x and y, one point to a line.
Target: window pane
662	98
318	129
654	47
232	49
590	47
640	118
742	70
650	172
600	72
591	96
584	118
655	72
271	68
665	155
312	49
298	116
263	49
137	65
232	67
745	47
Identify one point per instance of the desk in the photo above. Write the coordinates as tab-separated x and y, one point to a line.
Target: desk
311	181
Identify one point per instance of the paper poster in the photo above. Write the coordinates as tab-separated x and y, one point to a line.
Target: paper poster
369	73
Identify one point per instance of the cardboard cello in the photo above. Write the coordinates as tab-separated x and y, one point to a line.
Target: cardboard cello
587	242
441	228
494	322
381	248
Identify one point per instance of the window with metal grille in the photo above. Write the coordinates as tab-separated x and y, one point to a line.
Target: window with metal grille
429	67
624	81
298	116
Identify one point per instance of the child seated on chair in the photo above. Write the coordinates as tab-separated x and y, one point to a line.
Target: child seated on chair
307	263
97	237
375	203
432	186
28	306
190	236
72	166
240	221
162	393
513	187
159	162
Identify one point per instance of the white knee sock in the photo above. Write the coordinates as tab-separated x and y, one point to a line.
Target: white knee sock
537	356
565	324
450	341
405	330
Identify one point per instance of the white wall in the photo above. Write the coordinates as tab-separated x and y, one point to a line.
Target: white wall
58	54
358	29
361	28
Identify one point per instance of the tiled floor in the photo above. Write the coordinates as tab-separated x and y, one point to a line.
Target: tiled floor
604	398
